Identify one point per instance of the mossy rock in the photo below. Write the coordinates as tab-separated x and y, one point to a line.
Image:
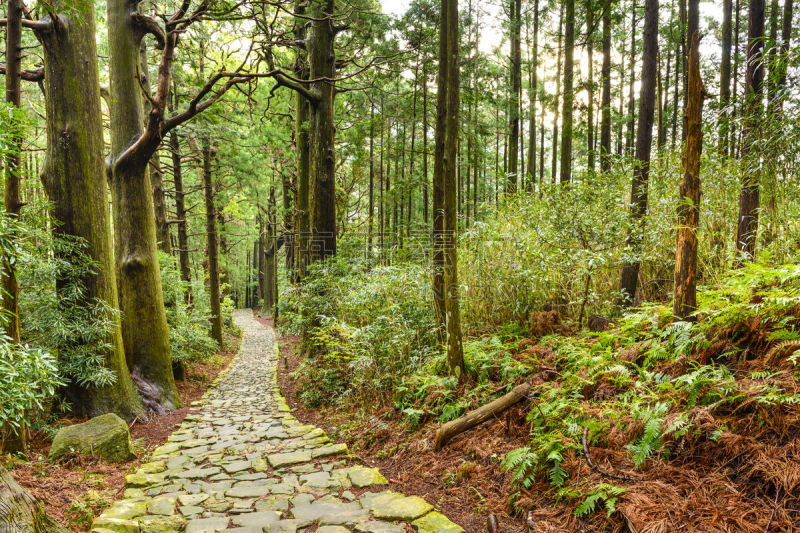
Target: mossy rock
105	436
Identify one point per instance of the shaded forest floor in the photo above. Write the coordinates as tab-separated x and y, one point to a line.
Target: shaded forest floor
77	490
651	426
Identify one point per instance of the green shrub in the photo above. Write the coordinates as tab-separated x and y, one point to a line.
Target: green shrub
189	326
28	381
58	317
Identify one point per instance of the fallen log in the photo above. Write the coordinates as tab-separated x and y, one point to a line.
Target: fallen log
20	512
479	415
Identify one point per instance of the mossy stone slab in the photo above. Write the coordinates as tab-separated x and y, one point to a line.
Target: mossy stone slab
435	523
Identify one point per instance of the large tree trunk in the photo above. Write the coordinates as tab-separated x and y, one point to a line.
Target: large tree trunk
13	166
74	178
322	60
14	439
566	123
644	139
605	73
302	155
449	84
747	228
438	185
144	320
685	288
288	218
368	254
211	245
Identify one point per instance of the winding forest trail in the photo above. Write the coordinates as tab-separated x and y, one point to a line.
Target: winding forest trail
241	462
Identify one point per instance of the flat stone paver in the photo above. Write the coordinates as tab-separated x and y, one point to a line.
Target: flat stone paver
241	462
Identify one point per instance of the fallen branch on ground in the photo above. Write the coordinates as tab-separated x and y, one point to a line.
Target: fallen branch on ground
479	415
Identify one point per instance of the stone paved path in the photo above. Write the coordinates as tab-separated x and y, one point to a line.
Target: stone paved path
241	462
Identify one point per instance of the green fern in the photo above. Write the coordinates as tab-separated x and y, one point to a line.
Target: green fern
521	463
602	492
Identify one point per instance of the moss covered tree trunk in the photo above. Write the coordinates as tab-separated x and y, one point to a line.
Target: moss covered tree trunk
438	186
144	320
301	124
74	178
321	59
211	245
448	85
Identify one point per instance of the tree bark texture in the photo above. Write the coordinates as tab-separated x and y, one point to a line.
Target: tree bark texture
685	288
749	199
605	73
73	175
644	140
180	214
515	23
13	165
566	123
20	512
144	319
450	86
211	244
321	59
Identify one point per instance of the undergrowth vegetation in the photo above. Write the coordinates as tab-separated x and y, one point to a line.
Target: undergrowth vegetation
646	390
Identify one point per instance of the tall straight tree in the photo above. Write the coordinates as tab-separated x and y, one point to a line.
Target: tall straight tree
554	158
211	242
532	96
631	82
644	140
590	85
566	123
322	67
180	209
13	165
605	74
685	286
445	174
303	162
747	228
725	74
515	23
